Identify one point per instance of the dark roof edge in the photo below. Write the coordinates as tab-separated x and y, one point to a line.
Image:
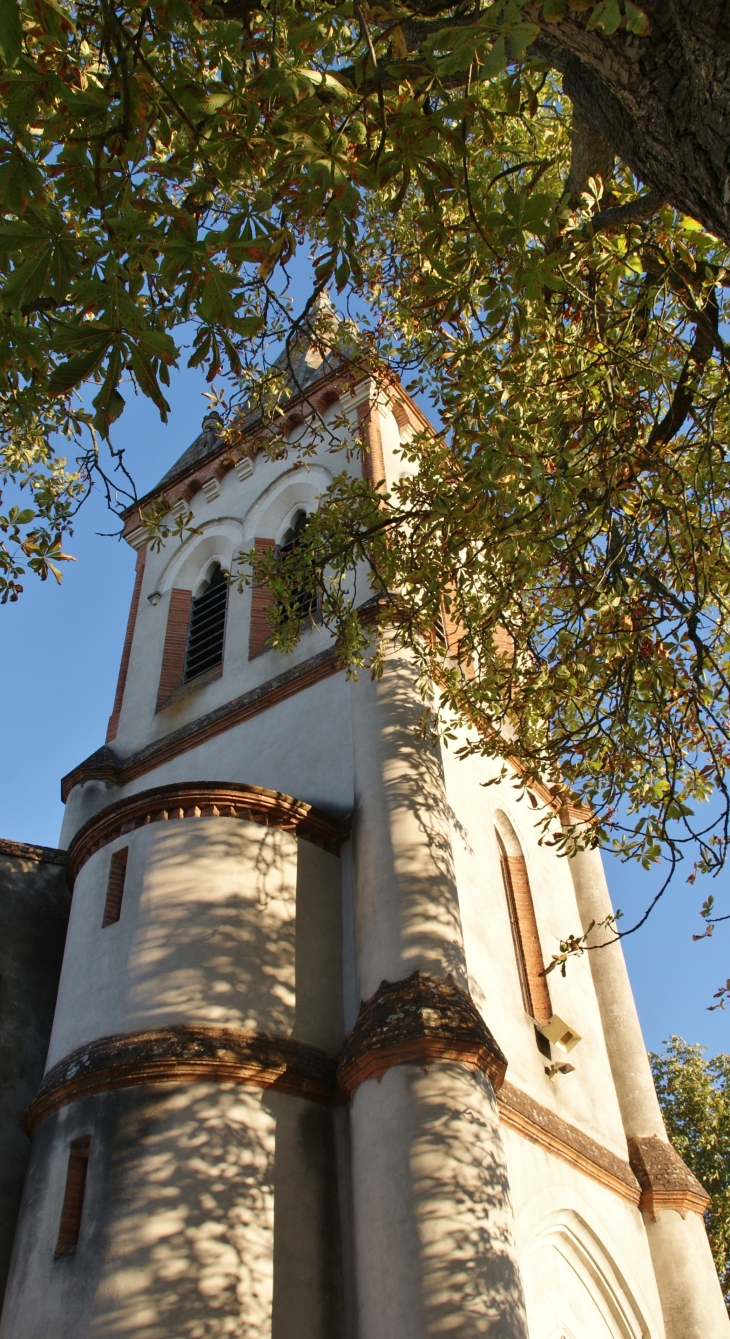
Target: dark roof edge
338	373
49	855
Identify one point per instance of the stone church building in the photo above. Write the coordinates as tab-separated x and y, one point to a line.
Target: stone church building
292	1071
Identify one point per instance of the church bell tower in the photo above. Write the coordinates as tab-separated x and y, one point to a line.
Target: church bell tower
305	1078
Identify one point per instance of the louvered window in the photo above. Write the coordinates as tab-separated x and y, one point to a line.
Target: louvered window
305	599
207	627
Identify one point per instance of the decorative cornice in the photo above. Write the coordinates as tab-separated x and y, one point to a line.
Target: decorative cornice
205	799
47	855
200	1053
418	1021
543	1127
107	766
250	438
186	1054
666	1181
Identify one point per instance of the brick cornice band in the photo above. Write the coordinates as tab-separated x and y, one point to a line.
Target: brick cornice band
543	1127
205	799
105	765
666	1181
418	1021
186	1054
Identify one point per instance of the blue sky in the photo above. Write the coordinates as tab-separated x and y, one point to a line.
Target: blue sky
58	669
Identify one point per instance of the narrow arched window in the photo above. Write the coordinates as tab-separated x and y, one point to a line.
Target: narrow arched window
528	953
207	626
305	598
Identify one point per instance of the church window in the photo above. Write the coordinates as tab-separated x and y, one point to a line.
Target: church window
528	953
73	1199
207	627
115	887
305	598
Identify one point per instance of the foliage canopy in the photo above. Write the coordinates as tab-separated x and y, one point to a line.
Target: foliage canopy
160	167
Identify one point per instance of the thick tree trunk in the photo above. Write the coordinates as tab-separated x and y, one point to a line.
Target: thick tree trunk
662	101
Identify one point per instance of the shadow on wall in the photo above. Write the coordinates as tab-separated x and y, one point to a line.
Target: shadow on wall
225	1220
461	1196
214	939
403	825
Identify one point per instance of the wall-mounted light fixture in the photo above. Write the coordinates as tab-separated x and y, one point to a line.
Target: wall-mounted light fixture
560	1033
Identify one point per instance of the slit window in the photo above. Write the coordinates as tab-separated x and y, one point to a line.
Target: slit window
73	1199
207	627
535	993
115	887
305	599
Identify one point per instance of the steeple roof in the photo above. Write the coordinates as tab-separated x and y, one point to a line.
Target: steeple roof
303	363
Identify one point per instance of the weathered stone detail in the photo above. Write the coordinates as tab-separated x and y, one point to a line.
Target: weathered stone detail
47	855
205	799
418	1021
186	1054
666	1181
540	1125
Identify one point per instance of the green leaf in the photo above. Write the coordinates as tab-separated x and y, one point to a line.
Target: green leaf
26	283
495	62
636	20
11	33
607	16
71	373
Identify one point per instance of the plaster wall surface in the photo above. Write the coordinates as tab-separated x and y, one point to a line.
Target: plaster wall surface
209	1211
586	1098
34	908
222	922
229	923
301	747
583	1252
434	1220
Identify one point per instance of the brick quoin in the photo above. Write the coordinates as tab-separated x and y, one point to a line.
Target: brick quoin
524	930
115	887
176	640
260	629
127	648
373	464
73	1200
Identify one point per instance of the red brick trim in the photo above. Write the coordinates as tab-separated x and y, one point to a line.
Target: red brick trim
115	887
127	648
105	766
186	1054
176	640
47	855
665	1179
260	628
418	1021
541	1126
373	463
525	935
73	1199
205	799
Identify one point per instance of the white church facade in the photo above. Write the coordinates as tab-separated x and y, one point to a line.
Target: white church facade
305	1078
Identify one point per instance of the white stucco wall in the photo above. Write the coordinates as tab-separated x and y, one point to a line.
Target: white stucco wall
210	916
